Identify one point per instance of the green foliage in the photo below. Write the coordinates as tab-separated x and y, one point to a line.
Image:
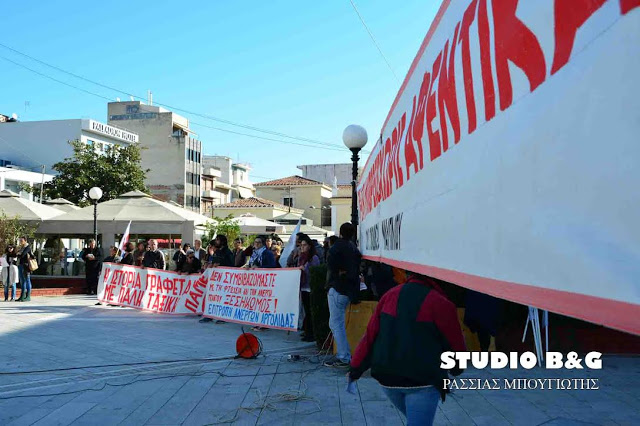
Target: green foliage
116	171
319	304
11	229
223	226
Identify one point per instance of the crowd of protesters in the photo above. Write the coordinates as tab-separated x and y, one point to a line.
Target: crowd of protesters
413	322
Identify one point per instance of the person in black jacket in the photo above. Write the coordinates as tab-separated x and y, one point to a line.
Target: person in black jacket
180	256
113	255
223	255
153	258
24	273
191	264
92	257
413	324
127	258
343	282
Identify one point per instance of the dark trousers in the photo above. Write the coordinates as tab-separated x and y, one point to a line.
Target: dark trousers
307	324
92	281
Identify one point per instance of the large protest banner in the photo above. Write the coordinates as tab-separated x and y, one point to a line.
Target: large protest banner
263	297
508	162
152	289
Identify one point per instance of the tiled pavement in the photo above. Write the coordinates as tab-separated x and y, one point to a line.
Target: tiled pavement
69	332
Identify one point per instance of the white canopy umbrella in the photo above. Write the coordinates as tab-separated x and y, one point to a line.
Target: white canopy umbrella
148	216
62	204
12	205
250	224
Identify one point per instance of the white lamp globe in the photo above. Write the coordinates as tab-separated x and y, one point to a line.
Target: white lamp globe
95	193
354	137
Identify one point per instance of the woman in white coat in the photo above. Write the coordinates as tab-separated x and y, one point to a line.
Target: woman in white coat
10	272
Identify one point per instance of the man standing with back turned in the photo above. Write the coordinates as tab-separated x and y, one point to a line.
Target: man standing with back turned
414	323
343	282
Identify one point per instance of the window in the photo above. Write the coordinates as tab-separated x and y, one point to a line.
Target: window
288	201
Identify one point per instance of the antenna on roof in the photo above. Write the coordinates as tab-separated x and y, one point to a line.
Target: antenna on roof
149	97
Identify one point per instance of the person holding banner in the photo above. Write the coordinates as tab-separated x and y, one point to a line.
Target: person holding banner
238	253
199	252
223	256
153	258
191	264
261	257
307	259
128	258
343	282
180	256
113	255
138	254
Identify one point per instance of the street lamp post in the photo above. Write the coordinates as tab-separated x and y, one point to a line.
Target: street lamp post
354	138
95	194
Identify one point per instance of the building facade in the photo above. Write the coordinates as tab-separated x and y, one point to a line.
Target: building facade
214	192
234	178
33	144
14	179
329	173
170	151
310	196
259	207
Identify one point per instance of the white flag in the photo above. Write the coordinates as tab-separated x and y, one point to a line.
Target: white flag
290	245
125	238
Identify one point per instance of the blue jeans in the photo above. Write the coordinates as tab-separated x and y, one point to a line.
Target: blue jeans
13	290
338	304
25	281
418	405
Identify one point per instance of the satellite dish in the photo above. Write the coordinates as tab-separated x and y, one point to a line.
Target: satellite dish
117	99
14	116
131	97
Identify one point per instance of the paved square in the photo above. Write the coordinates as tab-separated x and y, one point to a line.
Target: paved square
119	366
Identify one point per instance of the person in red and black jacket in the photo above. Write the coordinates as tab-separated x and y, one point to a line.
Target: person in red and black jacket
413	324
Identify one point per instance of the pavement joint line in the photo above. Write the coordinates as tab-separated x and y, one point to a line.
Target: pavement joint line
96	379
48	383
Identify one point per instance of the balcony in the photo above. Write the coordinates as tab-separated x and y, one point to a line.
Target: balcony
210	193
212	171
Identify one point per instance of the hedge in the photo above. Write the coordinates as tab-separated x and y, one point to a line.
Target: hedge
319	304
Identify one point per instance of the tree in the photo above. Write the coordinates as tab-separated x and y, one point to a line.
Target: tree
11	229
116	171
224	226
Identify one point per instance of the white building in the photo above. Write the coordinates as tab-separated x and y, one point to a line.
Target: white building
13	178
171	152
232	175
33	144
329	173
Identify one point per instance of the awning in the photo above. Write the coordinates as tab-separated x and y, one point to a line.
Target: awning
245	192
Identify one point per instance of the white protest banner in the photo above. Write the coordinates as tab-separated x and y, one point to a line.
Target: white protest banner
508	162
262	297
152	289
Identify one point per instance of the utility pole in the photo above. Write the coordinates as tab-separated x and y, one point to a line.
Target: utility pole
42	183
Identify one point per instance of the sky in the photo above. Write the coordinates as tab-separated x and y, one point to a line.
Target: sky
305	69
